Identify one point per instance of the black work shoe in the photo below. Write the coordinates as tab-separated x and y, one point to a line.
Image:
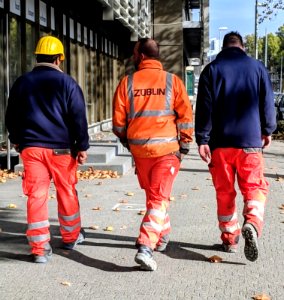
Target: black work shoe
80	239
144	258
163	243
251	246
42	259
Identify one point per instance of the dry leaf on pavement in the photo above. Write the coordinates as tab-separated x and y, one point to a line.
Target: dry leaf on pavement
97	208
261	297
215	259
196	188
142	212
129	194
172	198
12	205
108	228
94	227
67	283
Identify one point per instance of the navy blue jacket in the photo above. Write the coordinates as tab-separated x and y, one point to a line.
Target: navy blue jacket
235	105
46	108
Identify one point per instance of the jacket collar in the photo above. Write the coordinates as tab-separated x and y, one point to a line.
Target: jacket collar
48	65
150	64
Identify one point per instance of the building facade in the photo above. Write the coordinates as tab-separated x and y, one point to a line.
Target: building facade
98	38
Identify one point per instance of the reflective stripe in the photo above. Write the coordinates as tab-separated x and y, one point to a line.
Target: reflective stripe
157	213
130	96
148	113
154	113
255	212
228	218
69	218
38	238
184	125
230	229
154	225
255	203
152	141
252	150
166	225
70	228
119	129
169	83
36	225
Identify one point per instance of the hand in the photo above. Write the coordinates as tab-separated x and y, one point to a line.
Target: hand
82	157
266	141
205	153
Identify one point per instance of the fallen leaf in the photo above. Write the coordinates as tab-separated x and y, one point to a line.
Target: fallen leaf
108	228
209	178
215	259
142	212
172	198
67	283
116	209
261	297
99	183
12	205
94	227
123	227
196	188
129	194
123	201
88	195
97	208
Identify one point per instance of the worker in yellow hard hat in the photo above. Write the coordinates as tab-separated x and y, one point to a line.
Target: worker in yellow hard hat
51	134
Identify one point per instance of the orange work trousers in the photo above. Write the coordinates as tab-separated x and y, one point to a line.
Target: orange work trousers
42	165
247	166
156	176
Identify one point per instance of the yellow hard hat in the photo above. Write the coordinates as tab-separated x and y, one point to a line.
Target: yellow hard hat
50	45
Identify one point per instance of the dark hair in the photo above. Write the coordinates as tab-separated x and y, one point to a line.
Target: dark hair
43	58
232	38
148	47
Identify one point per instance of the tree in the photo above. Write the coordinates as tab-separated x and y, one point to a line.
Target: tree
270	9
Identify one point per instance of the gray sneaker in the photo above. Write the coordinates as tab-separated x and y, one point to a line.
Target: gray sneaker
144	258
42	259
251	246
80	239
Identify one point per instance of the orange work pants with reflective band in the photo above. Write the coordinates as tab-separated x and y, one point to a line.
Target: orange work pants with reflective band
156	176
40	166
247	166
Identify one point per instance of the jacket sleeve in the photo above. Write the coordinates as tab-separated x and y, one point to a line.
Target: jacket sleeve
77	111
12	115
119	114
267	109
203	119
183	109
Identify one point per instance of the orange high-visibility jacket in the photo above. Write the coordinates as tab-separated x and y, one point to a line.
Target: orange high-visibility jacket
152	112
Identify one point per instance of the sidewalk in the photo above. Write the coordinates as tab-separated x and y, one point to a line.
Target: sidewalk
103	266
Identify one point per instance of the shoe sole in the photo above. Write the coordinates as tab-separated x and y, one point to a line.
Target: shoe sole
146	263
251	246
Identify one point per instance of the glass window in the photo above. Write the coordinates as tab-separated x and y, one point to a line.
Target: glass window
14	50
30	47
